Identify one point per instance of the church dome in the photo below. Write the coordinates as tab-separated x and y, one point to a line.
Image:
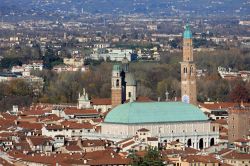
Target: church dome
187	33
130	80
154	112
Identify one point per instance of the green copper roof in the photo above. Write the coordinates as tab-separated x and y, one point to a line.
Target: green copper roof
187	33
154	112
116	67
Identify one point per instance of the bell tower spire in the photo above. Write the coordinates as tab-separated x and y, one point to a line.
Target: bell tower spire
188	69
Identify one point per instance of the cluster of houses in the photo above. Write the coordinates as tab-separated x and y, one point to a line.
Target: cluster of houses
76	63
45	134
228	74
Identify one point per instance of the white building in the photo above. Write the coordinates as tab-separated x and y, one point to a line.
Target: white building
114	54
34	65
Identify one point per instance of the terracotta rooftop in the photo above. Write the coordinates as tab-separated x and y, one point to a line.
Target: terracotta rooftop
237	156
128	144
181	152
73	148
51	117
54	127
49	159
220	121
39	140
101	101
242	140
220	105
31	126
5	162
143	130
152	139
143	99
200	159
93	143
74	111
75	125
224	151
106	157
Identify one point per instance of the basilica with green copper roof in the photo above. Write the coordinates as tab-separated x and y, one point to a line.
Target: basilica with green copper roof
155	112
168	121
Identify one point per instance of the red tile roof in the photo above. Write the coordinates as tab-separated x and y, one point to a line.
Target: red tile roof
75	125
31	126
237	156
128	144
93	143
152	139
143	99
243	140
220	105
39	140
73	148
200	159
143	130
220	121
101	101
74	111
5	162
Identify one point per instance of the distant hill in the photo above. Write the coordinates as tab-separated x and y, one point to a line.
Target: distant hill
152	7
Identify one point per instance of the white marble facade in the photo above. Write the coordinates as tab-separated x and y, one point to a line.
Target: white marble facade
197	135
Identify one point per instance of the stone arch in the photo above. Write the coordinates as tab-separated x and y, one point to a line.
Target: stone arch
201	144
211	141
189	142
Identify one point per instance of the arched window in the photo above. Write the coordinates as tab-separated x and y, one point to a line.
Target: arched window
117	82
201	144
185	70
212	142
189	142
191	69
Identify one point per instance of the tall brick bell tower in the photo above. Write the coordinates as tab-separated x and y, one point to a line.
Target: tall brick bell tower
117	86
188	70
